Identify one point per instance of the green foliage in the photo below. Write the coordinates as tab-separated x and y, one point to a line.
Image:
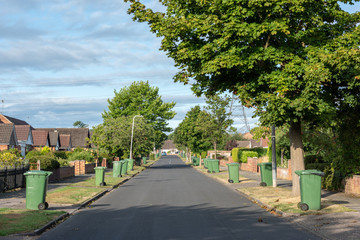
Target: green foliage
152	156
44	150
203	154
84	155
61	154
63	162
80	124
235	154
114	136
10	160
141	99
14	151
33	153
48	161
246	154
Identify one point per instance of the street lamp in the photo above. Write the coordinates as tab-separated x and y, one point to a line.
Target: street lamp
132	134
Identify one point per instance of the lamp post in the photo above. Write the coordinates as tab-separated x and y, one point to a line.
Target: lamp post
132	134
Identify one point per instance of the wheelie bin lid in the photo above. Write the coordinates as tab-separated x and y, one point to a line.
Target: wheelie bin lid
234	163
310	172
264	163
99	167
38	172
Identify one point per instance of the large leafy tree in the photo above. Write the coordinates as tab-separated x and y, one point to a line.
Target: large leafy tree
114	136
293	61
190	132
217	122
141	99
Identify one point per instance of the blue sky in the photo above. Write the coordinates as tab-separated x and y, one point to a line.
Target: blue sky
61	60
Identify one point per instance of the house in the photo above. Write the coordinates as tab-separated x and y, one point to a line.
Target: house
169	147
65	142
24	138
11	120
41	139
54	140
8	137
79	136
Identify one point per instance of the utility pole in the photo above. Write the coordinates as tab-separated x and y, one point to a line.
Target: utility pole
273	153
237	114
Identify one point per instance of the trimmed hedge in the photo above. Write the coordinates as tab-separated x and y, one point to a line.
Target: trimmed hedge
235	154
246	154
87	156
48	162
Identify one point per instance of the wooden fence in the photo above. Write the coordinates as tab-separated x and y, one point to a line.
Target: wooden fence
11	178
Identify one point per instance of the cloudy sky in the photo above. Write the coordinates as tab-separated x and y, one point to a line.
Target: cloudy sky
60	60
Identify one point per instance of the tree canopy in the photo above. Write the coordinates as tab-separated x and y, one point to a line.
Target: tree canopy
141	99
293	61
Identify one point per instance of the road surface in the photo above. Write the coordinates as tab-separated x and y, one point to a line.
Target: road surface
171	200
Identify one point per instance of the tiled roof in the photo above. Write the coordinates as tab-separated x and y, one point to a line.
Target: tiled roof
15	121
40	137
6	130
22	132
65	141
54	138
243	144
78	135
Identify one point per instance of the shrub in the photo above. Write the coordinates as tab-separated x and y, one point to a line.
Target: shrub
235	154
33	153
45	150
10	160
246	154
152	156
313	159
87	156
63	162
203	154
61	155
317	166
48	162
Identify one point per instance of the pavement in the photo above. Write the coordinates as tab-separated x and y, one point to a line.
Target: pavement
328	226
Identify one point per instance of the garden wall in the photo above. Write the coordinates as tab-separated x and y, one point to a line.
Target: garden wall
61	173
352	186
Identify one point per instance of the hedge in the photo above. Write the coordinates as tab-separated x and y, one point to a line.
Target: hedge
48	162
235	154
246	154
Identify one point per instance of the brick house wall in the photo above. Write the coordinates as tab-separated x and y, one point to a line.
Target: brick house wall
352	186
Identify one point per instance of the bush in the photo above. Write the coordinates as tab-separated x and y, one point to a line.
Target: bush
63	162
317	166
48	162
61	155
235	154
10	160
33	153
203	154
152	156
313	159
87	156
246	154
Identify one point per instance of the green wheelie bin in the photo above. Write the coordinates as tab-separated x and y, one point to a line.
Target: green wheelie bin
209	165
266	174
196	161
117	168
100	176
36	187
130	166
124	167
213	166
206	162
144	160
233	172
310	189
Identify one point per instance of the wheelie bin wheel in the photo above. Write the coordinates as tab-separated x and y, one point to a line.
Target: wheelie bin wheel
304	206
231	181
42	206
46	205
263	184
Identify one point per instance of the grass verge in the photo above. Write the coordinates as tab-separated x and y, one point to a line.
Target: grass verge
281	199
14	221
71	195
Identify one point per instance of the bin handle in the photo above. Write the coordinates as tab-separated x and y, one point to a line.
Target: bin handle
319	174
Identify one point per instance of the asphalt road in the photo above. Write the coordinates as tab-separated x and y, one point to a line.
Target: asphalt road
173	201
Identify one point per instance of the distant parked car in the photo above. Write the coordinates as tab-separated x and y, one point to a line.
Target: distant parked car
163	154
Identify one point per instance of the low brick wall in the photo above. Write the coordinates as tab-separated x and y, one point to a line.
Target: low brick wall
250	166
89	168
224	162
61	173
352	185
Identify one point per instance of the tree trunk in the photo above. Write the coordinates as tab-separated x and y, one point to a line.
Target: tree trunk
215	150
297	155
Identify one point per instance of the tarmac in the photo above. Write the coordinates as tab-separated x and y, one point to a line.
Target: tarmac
330	226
